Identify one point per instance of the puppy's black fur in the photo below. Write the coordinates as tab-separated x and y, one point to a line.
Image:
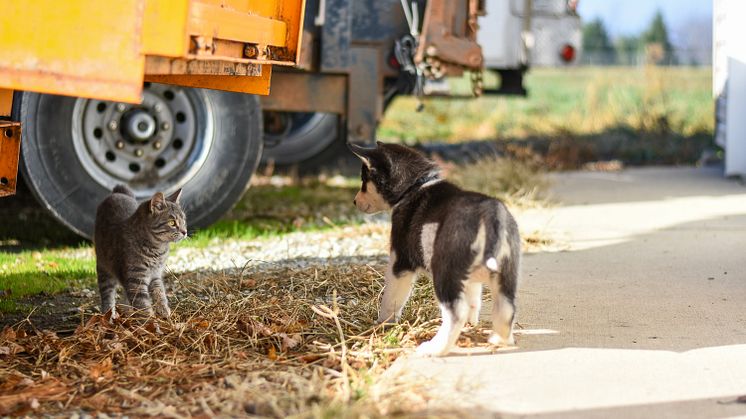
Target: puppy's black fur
463	239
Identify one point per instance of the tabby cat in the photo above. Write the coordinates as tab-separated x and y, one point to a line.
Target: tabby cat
132	244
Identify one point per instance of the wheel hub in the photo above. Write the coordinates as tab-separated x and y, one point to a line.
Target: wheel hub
138	125
156	145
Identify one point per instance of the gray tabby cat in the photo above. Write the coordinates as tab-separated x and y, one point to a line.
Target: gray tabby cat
132	244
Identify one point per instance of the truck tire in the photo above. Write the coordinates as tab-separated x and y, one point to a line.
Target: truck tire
298	139
76	150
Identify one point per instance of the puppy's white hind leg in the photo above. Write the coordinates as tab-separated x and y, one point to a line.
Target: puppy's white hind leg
473	291
503	313
454	317
395	293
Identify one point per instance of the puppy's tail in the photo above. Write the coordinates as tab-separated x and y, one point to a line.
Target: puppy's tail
123	189
494	237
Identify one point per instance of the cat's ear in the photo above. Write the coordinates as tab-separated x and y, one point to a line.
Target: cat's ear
157	202
175	197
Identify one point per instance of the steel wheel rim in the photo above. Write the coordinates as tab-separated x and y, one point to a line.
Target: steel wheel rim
289	137
158	145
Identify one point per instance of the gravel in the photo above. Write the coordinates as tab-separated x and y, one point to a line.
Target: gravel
297	250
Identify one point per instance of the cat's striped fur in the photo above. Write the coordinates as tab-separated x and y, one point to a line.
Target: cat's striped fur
132	243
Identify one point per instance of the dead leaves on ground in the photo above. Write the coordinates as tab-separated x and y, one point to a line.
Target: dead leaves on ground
266	333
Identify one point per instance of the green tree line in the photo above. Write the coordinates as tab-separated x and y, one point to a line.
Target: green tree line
653	45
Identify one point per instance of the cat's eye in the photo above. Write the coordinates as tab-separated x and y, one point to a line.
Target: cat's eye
172	223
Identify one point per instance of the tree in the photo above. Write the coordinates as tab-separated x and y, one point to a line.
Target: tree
597	48
658	48
627	50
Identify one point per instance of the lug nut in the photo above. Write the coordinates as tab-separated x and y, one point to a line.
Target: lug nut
165	126
138	152
113	125
120	144
158	107
120	107
157	145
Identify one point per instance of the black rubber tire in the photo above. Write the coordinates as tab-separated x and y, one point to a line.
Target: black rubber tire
310	134
61	185
334	157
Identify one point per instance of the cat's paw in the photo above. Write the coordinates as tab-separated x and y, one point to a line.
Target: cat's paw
163	312
431	348
385	319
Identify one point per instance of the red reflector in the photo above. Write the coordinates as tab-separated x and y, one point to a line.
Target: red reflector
393	62
567	53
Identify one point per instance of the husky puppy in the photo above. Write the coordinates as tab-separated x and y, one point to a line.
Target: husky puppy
462	239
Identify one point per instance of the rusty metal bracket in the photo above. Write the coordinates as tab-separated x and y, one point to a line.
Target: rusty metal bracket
10	146
449	34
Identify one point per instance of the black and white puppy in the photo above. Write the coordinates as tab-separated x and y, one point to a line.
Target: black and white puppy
462	239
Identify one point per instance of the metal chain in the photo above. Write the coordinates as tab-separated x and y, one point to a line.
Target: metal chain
477	82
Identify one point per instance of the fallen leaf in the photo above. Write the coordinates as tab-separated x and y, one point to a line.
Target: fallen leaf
200	323
272	353
288	342
11	348
102	370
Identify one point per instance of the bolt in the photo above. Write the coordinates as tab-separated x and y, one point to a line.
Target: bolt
113	125
250	51
120	107
158	107
138	152
165	126
157	145
120	144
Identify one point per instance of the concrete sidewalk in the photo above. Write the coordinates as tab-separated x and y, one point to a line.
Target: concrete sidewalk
640	313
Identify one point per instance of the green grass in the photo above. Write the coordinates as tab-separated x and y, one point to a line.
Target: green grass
268	211
27	268
579	101
29	273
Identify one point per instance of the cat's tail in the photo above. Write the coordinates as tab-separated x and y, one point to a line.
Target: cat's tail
123	189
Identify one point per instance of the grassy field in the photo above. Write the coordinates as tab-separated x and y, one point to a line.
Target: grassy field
575	101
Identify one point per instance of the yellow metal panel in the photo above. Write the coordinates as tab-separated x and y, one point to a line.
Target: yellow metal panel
225	23
82	48
10	146
292	12
266	8
244	84
6	102
164	28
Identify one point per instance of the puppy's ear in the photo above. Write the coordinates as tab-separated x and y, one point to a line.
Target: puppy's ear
365	154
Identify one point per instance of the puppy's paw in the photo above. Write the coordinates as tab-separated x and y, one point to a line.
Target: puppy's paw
430	348
496	340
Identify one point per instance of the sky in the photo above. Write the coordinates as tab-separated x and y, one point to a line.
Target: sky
633	16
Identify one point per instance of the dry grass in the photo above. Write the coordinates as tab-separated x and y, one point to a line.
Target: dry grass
520	184
271	343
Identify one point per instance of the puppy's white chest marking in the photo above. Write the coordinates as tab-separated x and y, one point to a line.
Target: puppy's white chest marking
427	242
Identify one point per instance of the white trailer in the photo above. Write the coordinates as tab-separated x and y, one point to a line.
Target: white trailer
548	35
729	82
